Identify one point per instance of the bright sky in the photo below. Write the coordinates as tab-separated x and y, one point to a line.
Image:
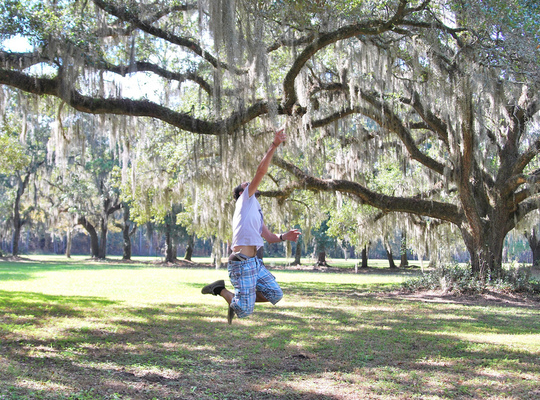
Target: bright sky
17	43
143	86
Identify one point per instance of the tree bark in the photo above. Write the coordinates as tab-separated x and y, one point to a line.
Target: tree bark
102	250
365	257
321	259
127	232
534	243
486	249
18	221
69	241
94	240
189	248
126	243
170	246
298	253
169	254
390	256
16	229
404	262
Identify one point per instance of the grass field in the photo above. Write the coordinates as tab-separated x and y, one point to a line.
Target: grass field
82	330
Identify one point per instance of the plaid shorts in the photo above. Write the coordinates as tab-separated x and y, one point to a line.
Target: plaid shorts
248	277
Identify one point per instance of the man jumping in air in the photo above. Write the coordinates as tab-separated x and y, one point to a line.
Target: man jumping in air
251	280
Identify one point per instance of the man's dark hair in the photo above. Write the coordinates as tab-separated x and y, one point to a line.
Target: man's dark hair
237	192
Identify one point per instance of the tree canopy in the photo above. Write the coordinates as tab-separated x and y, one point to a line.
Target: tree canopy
445	89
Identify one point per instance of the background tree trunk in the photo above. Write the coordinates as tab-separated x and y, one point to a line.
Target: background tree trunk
94	241
126	233
298	253
69	241
404	262
534	243
102	252
321	259
16	231
170	256
189	248
17	220
365	257
390	256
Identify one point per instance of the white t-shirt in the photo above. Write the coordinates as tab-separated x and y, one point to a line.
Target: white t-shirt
247	221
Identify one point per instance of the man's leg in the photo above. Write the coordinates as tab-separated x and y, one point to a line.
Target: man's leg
267	286
217	288
227	295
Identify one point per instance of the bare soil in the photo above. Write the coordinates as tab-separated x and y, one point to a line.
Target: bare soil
488	298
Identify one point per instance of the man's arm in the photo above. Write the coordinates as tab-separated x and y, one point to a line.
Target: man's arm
262	169
270	237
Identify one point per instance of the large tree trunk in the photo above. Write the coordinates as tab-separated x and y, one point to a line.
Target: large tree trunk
109	206
485	247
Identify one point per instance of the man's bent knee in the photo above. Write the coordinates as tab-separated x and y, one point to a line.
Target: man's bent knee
274	295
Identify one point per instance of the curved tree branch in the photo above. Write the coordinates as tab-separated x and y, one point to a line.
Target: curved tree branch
386	118
141	108
526	157
20	61
434	123
368	28
434	209
384	115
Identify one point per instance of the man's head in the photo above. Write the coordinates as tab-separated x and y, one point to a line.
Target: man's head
240	189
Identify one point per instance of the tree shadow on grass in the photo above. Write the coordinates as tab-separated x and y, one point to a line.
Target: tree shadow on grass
167	351
323	349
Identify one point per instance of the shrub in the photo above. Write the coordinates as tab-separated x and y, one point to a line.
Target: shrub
459	279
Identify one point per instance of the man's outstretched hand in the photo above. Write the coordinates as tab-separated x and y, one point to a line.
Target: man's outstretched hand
279	137
292	235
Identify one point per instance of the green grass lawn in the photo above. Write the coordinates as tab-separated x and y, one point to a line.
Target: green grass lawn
82	330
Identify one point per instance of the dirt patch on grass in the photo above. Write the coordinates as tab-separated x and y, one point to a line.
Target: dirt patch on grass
488	298
182	264
339	270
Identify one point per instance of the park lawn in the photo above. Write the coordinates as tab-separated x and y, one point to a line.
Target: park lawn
83	330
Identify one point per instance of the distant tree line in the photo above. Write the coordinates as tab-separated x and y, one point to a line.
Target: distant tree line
153	245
